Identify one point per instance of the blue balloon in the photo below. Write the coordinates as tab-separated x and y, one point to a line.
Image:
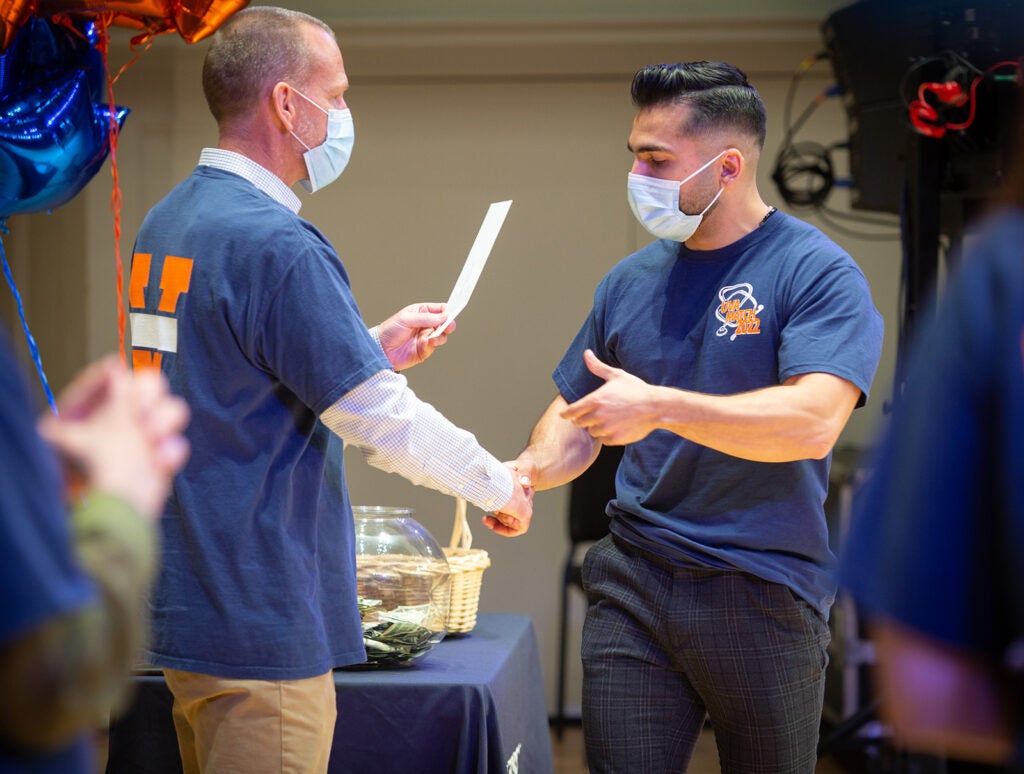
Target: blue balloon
42	49
55	125
52	142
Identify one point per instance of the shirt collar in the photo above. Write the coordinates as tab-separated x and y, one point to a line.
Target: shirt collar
259	176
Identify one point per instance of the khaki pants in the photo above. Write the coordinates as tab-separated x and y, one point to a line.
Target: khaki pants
253	726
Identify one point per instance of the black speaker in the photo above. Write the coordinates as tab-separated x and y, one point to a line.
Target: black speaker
882	50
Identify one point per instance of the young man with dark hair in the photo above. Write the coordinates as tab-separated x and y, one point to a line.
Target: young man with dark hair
726	356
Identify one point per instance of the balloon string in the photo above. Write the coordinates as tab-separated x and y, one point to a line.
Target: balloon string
103	44
32	348
146	41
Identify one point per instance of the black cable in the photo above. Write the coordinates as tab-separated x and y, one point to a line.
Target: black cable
808	112
804	172
865	219
822	213
951	62
787	111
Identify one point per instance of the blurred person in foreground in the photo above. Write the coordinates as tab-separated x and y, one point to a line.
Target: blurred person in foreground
73	583
248	310
726	356
935	552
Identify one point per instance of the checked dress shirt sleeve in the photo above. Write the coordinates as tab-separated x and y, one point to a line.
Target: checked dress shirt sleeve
399	433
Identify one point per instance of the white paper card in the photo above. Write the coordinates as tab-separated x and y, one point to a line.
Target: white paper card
474	265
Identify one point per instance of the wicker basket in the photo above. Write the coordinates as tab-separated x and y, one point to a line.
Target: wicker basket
467	565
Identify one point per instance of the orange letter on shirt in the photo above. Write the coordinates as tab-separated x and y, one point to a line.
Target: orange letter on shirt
174	281
139	280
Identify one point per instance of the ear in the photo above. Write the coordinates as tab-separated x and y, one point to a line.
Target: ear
283	104
733	163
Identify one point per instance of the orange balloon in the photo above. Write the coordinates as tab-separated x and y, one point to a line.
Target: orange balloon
154	16
193	19
13	14
196	19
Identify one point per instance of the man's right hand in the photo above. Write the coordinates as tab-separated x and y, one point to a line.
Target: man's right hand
515	516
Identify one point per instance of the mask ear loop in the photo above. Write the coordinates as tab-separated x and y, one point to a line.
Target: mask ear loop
715	199
307	148
311	102
693	174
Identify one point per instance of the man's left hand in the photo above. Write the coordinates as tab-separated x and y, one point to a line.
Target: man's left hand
618	412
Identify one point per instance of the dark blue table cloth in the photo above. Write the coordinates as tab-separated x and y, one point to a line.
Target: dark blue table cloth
474	703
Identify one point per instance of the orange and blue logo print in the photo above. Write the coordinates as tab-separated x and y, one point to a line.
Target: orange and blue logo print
154	333
738	311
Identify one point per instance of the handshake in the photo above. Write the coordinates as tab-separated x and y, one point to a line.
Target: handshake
514	517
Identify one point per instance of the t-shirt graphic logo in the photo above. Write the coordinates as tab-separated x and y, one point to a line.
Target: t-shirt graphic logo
154	334
738	310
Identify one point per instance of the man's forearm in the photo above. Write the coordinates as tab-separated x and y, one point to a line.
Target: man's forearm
557	451
399	433
798	420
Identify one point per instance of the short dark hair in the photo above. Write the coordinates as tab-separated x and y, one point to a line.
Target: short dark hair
255	47
718	94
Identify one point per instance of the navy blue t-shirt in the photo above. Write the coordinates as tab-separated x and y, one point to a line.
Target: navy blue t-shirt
781	301
248	311
39	576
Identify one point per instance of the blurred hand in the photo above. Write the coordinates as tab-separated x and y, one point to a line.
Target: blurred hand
120	433
514	518
404	335
943	699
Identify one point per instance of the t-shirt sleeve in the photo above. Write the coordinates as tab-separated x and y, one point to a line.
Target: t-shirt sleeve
312	336
571	375
832	327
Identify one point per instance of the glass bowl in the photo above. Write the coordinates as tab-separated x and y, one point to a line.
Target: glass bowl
404	586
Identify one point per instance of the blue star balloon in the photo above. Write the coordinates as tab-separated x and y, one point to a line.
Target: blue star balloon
55	127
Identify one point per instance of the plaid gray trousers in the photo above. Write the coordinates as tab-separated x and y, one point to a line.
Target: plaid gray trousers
665	645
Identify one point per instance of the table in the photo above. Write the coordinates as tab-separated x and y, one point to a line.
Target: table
474	703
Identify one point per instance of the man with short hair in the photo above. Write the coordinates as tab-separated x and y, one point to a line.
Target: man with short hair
247	309
727	357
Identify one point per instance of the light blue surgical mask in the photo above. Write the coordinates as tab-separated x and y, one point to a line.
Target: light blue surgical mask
655	203
326	161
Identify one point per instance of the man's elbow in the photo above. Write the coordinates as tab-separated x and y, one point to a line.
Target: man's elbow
822	437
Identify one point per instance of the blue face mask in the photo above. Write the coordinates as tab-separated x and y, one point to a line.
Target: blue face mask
326	161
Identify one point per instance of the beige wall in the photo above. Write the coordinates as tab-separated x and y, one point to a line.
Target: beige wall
448	119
